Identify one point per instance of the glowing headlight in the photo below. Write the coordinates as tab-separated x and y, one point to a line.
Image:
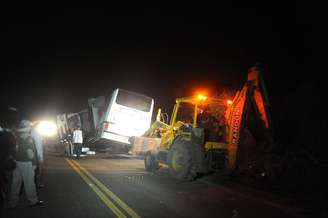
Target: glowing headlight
46	128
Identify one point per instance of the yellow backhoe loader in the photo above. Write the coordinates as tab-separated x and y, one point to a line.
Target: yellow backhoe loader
208	134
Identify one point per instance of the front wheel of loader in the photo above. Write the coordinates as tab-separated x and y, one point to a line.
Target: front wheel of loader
151	164
181	161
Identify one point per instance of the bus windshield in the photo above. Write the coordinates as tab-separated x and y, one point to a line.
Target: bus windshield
134	100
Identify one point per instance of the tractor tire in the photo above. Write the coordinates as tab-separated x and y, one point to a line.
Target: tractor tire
151	164
181	161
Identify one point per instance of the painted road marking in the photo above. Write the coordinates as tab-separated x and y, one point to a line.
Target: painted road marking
109	193
100	194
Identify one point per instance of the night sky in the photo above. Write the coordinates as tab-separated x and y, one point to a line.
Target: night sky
53	60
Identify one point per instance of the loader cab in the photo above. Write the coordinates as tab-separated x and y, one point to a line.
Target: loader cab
196	112
201	112
187	109
185	113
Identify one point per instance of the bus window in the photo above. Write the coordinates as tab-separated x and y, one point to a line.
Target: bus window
134	100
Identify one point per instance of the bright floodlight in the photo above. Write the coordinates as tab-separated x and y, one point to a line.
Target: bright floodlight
202	97
46	128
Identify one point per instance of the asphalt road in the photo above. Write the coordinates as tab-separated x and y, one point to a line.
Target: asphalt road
118	186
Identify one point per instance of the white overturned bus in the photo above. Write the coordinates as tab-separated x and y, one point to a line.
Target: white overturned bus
123	115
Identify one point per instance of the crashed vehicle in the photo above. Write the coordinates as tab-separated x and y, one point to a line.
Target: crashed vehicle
114	119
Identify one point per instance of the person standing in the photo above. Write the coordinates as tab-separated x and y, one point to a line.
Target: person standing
8	122
7	162
77	141
24	173
38	141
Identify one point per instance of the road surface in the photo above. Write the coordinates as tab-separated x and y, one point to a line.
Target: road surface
118	186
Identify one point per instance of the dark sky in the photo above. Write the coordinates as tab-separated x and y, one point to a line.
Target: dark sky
54	59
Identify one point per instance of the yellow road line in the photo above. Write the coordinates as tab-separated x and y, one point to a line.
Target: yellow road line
102	196
123	205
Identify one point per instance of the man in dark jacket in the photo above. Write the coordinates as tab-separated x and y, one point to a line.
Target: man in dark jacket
24	172
8	118
7	163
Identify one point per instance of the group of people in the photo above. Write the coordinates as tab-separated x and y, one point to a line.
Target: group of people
21	163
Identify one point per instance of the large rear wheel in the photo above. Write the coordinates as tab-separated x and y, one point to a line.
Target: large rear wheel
181	161
151	164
